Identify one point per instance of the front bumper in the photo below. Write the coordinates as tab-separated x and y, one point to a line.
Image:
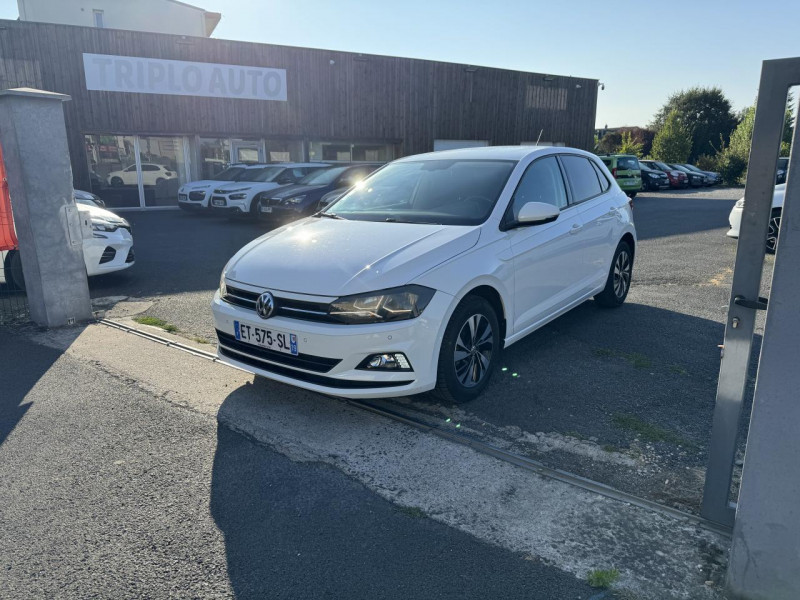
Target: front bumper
193	200
419	339
735	220
116	244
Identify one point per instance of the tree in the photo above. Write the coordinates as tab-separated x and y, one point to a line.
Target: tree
642	136
609	143
673	142
707	114
629	145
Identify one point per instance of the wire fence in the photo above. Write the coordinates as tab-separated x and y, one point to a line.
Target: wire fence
13	302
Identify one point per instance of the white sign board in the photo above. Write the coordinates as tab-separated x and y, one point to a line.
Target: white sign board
182	78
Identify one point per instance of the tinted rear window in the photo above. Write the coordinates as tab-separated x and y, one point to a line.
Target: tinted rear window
626	163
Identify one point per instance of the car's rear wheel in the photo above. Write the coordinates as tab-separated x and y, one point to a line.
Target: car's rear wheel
619	278
774	228
116	181
470	350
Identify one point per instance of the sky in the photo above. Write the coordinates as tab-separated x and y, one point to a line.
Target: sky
641	51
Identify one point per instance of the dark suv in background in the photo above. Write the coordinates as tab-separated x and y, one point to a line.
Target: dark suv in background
300	200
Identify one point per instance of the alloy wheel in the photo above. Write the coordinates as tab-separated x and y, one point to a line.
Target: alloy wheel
473	350
622	274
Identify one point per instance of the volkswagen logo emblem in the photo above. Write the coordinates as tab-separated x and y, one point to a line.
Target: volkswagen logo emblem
265	305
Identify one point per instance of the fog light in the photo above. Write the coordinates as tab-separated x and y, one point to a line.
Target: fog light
396	361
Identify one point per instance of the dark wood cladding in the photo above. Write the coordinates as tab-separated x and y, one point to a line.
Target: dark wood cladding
331	95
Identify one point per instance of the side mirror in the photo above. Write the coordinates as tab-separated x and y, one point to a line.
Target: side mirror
537	213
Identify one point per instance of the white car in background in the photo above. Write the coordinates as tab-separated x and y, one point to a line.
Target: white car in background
735	218
152	174
109	248
196	194
236	197
416	278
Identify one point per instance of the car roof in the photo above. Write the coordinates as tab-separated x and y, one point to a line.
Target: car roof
515	153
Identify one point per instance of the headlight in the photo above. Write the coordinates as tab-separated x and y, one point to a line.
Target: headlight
238	196
223	290
395	304
294	200
740	203
103	225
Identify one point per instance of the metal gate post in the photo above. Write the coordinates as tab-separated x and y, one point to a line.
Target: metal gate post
776	78
765	553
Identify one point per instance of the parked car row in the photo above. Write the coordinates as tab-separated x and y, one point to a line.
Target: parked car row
634	175
273	191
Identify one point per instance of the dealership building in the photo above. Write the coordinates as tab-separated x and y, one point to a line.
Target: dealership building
152	110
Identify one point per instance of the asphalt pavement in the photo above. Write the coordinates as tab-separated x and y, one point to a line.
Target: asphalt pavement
637	383
107	490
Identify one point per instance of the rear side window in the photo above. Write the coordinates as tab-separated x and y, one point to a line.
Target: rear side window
604	184
582	177
626	163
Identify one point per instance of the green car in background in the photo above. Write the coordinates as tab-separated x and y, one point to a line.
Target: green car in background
625	169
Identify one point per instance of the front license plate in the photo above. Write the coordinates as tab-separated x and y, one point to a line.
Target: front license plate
182	198
266	209
280	341
218	202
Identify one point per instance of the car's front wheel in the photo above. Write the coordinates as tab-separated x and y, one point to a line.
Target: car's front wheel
619	278
116	181
774	228
470	350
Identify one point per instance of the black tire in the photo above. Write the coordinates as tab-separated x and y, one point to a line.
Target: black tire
619	278
464	378
772	233
255	203
116	181
16	276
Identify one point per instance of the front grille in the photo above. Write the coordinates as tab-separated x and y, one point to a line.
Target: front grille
197	196
318	364
131	256
309	377
108	255
284	307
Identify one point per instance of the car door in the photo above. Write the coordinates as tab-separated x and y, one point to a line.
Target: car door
599	207
129	176
546	258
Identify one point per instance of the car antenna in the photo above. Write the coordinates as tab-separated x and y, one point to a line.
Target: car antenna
541	131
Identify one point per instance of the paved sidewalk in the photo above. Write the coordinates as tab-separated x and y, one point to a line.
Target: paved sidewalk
109	491
556	532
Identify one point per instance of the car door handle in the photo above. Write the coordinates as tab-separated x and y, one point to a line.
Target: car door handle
576	228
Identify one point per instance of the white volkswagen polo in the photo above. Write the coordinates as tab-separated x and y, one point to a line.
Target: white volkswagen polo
418	277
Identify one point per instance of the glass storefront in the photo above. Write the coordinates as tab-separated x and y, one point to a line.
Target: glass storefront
284	150
349	152
163	165
112	169
215	156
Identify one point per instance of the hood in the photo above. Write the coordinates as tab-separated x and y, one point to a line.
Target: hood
331	257
203	183
250	185
100	213
288	191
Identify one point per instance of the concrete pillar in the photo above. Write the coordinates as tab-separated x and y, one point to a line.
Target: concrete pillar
34	140
765	551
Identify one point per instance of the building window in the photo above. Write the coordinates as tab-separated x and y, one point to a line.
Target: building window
215	156
112	169
350	152
98	18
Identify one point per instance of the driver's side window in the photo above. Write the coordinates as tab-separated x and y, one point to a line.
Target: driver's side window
541	182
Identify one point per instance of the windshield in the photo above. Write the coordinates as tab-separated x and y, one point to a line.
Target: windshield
693	168
260	174
323	177
446	192
229	174
662	166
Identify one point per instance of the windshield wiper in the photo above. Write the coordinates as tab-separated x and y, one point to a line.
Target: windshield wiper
394	220
328	215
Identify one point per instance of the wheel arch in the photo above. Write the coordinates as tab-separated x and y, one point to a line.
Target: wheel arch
493	296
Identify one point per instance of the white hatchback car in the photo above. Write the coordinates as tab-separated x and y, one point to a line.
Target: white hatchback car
418	277
107	243
735	218
152	174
